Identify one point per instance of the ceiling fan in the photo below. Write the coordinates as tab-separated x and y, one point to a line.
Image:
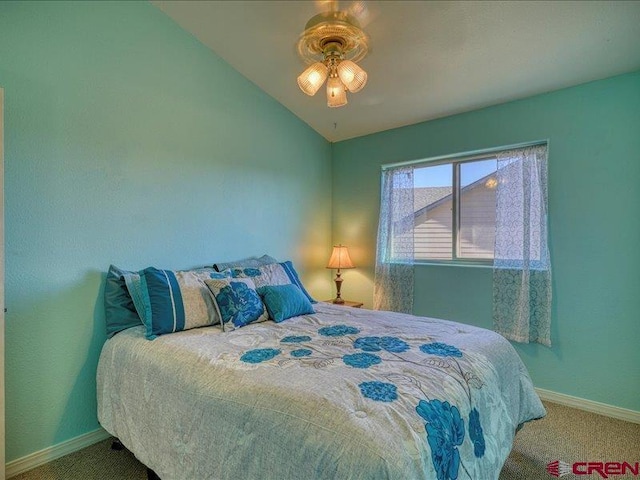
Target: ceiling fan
332	42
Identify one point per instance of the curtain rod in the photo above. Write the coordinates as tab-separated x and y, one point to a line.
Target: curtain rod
464	155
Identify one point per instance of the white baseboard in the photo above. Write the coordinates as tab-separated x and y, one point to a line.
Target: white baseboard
590	406
46	455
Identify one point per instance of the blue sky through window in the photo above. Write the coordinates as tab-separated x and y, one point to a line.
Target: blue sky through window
473	171
441	175
436	176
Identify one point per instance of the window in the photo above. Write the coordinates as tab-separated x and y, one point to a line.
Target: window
455	210
489	208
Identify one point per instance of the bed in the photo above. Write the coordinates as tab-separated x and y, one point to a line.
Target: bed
342	393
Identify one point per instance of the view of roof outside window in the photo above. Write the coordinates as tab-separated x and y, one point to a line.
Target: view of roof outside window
434	219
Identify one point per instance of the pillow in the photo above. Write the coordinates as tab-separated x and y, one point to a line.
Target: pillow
237	302
295	279
220	275
273	274
171	301
251	262
120	312
285	301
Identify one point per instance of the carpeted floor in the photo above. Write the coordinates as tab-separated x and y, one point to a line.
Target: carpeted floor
565	434
570	435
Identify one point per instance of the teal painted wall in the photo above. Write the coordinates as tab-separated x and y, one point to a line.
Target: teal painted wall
128	142
594	207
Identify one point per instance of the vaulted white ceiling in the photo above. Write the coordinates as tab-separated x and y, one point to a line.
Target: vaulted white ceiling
428	59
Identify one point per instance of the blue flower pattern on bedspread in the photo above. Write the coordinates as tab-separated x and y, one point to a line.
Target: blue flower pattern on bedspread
259	355
475	433
445	432
443	423
379	391
361	360
338	331
441	349
375	344
296	339
301	352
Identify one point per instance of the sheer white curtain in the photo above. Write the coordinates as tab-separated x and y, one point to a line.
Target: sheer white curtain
393	285
522	267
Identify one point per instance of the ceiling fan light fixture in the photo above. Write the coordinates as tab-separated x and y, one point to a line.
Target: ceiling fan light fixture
331	43
336	93
312	78
353	77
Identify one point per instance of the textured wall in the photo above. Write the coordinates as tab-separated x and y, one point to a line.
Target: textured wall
128	142
594	206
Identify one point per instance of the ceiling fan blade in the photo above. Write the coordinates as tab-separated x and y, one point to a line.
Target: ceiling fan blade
326	6
360	10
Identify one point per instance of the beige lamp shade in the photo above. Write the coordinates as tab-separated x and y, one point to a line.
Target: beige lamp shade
336	93
340	258
353	77
313	78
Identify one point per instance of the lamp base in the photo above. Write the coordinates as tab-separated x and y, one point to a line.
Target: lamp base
338	300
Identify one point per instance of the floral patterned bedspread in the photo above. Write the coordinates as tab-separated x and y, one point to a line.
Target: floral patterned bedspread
341	394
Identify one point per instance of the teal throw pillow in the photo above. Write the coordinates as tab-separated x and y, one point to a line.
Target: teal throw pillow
120	312
285	301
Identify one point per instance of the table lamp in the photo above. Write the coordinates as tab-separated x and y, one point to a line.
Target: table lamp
339	259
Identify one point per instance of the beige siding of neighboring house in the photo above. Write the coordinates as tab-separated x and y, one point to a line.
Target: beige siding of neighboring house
478	222
432	234
433	228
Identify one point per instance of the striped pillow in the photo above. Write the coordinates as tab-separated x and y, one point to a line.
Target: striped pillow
295	279
171	301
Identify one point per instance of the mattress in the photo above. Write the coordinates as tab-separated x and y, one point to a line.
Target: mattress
340	394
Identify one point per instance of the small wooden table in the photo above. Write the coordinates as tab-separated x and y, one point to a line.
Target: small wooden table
347	303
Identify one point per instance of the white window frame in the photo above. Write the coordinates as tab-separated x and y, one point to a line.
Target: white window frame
456	160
